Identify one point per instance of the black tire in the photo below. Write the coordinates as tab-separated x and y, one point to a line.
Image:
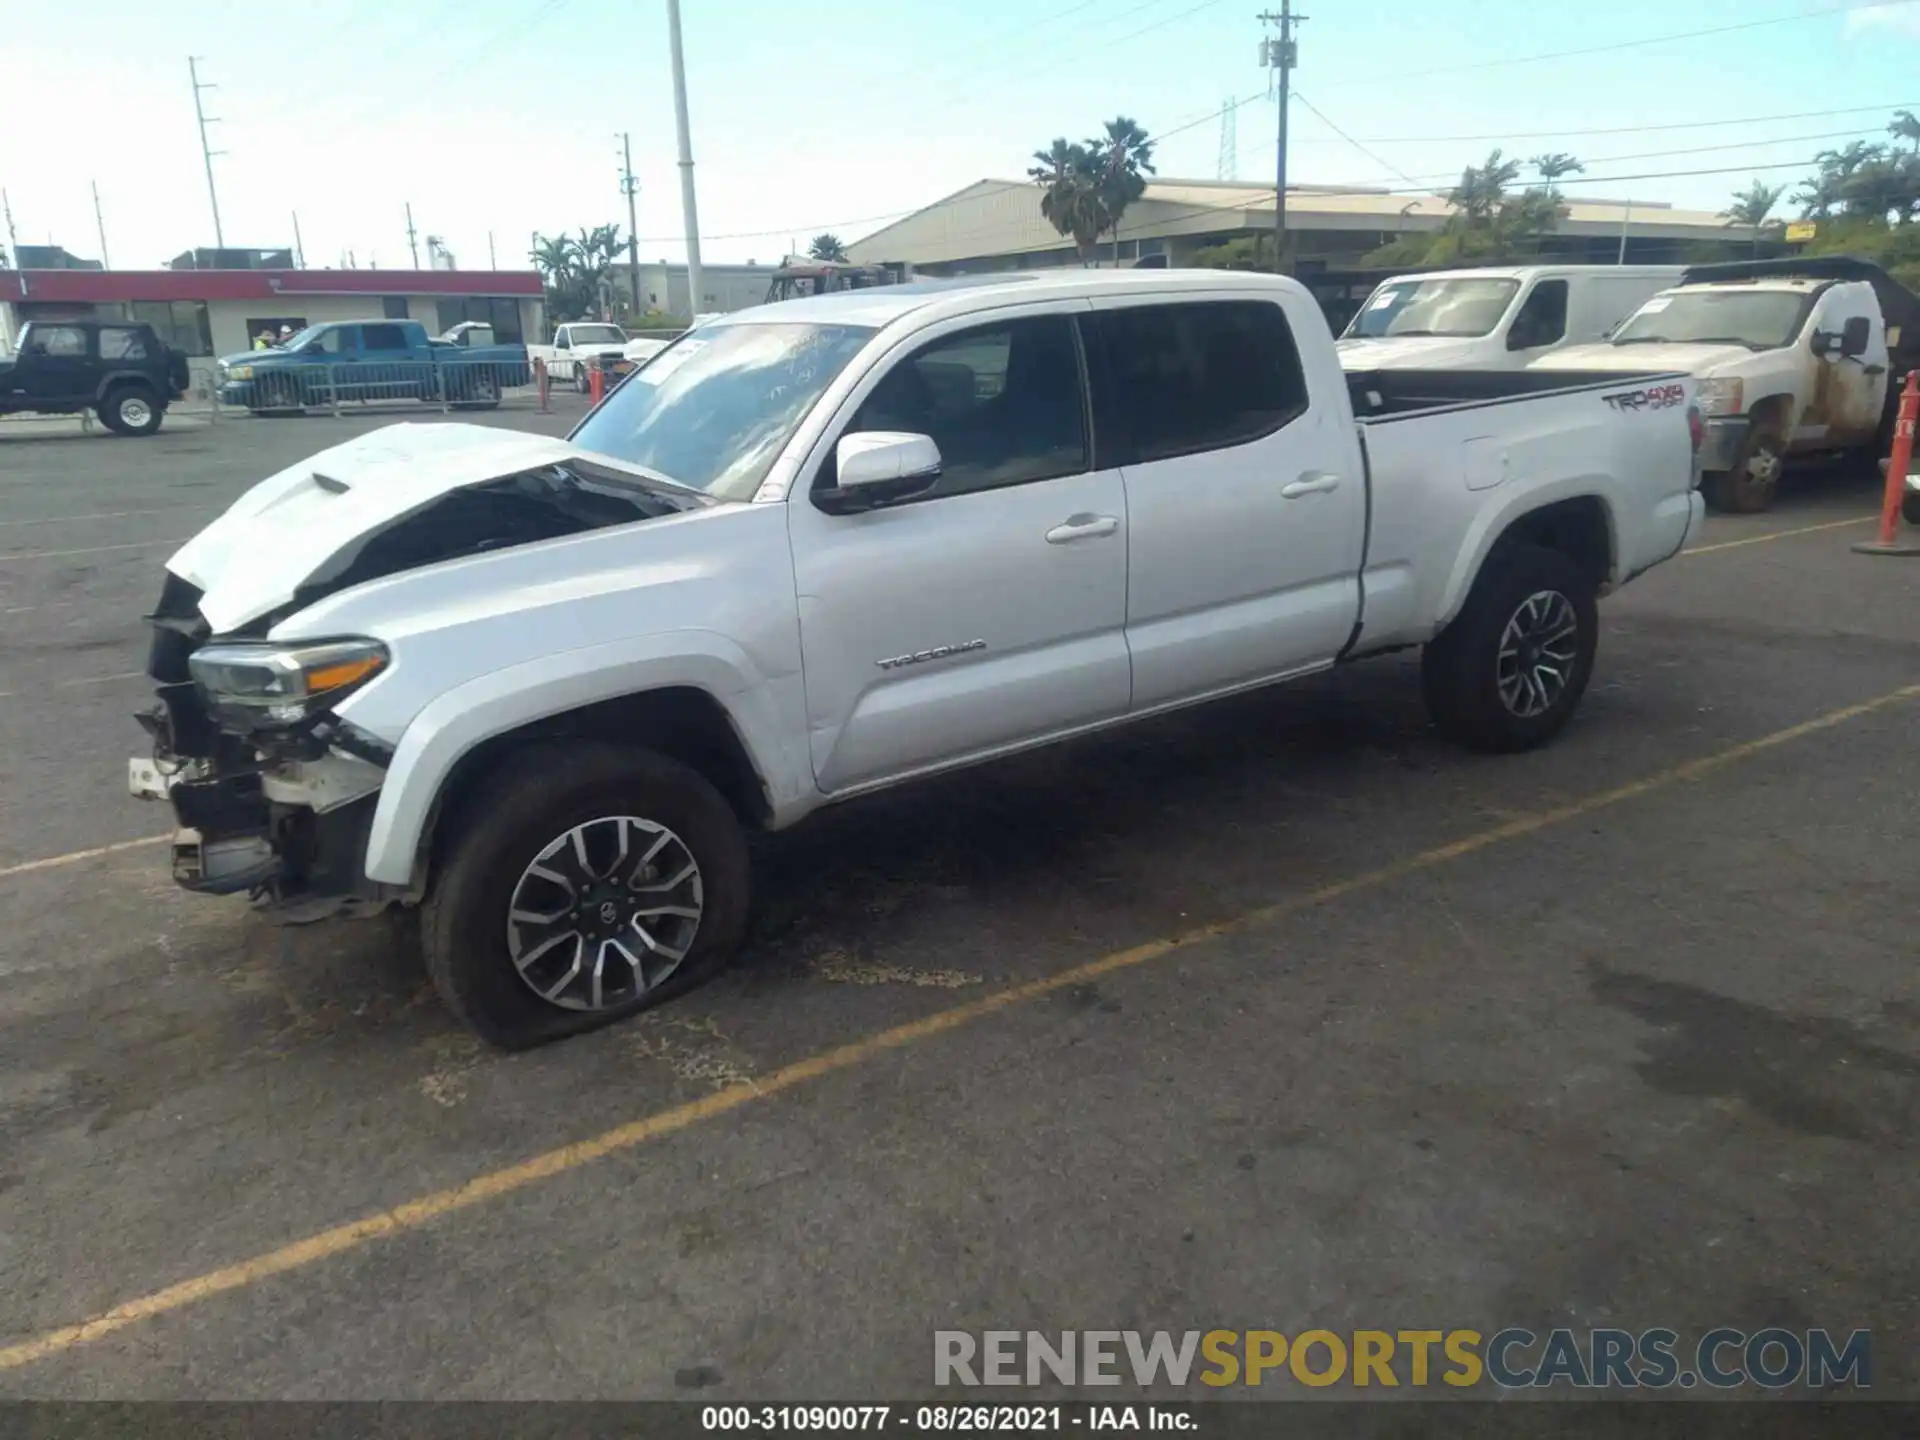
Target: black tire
1910	508
580	383
479	391
1740	491
131	410
538	794
281	395
1461	670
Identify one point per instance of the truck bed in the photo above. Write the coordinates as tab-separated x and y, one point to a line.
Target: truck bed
1383	395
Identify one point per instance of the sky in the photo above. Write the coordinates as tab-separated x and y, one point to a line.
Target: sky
494	119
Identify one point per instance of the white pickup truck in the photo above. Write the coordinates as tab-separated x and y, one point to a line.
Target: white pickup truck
1791	357
539	688
580	345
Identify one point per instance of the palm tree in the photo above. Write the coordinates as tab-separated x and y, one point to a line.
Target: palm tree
1123	154
1752	206
827	246
1905	127
1069	197
1551	166
552	256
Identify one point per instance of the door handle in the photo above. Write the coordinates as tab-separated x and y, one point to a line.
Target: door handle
1313	482
1874	369
1082	527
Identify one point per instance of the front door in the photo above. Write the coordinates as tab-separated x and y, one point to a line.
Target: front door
989	611
1246	509
56	364
1850	391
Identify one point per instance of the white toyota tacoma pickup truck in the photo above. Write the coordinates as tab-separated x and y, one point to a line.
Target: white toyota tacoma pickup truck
540	688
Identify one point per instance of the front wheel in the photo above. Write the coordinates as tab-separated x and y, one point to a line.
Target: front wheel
1510	669
580	384
589	882
1749	487
131	410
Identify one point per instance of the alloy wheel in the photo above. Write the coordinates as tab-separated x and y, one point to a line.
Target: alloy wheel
1537	653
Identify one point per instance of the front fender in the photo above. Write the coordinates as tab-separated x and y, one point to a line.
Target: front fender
505	700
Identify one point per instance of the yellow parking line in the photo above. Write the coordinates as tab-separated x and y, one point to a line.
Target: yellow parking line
1778	535
74	857
414	1214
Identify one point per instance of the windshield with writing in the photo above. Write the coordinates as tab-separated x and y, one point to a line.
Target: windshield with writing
1762	319
1459	308
714	409
597	335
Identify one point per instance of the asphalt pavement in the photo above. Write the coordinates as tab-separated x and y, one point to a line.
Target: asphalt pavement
1280	1013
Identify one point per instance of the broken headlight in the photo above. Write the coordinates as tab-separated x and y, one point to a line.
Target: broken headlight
253	686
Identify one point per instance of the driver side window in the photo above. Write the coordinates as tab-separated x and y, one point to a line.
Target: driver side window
1542	319
1005	403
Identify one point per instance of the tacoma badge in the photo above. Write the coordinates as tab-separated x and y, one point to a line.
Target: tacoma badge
939	652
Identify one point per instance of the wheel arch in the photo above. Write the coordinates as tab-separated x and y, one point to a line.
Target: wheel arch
1773	414
698	709
1581	526
121	379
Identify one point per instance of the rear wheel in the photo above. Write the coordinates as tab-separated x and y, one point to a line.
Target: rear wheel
131	410
1509	671
590	882
1910	508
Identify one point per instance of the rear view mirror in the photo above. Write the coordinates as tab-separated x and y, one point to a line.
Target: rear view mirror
881	467
1854	336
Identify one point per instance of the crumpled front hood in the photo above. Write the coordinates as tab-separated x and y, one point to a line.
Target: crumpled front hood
1693	359
308	522
1417	352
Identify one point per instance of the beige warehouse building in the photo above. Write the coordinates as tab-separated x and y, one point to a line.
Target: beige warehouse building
996	225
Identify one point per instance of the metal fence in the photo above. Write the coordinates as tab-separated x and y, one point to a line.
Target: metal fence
336	388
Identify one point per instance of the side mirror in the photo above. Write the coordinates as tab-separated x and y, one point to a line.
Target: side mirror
880	467
1854	336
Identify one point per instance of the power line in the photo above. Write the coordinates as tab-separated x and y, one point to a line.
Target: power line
1619	45
1628	129
1383	164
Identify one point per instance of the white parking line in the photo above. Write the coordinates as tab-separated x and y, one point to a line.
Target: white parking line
96	515
88	550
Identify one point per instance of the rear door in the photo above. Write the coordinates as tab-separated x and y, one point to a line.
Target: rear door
1246	509
990	611
59	369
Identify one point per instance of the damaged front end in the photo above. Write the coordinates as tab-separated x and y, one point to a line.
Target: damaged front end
273	795
273	791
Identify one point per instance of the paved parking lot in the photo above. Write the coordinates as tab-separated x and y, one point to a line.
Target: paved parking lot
1280	1013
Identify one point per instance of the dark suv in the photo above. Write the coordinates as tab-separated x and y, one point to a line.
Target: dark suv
121	372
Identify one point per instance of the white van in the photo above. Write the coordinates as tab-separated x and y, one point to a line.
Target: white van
1494	317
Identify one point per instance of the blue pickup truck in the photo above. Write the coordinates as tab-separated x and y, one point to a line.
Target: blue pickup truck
371	360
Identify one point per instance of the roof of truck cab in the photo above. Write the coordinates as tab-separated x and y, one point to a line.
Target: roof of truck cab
1531	272
882	304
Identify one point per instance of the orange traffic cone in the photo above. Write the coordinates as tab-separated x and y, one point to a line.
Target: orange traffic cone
1887	542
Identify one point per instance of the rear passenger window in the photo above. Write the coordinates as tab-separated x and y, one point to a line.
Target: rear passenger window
117	344
1004	403
1202	376
382	337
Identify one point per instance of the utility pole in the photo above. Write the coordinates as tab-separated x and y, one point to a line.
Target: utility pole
101	225
630	188
299	245
1625	216
411	245
1281	55
13	240
206	155
689	213
492	264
